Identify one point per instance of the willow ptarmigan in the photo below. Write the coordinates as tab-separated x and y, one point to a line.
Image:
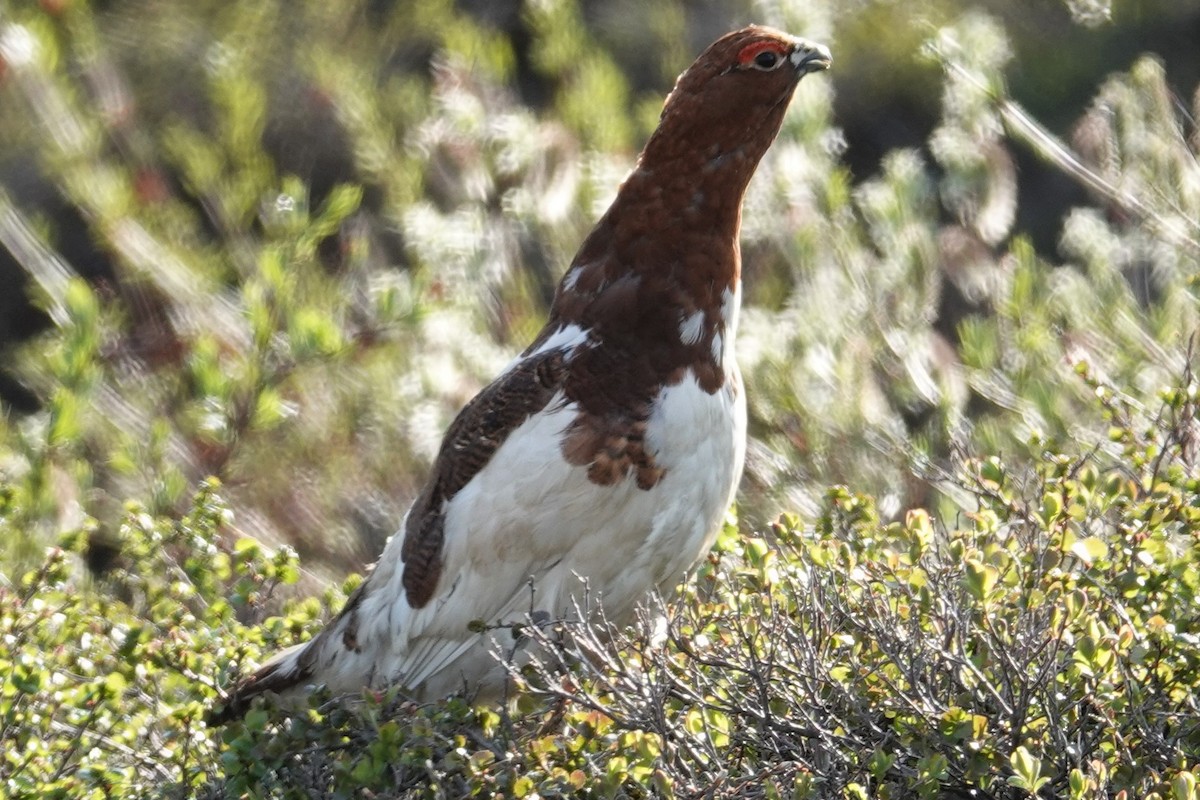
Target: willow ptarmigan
603	458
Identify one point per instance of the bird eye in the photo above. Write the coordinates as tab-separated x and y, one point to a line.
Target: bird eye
767	59
764	55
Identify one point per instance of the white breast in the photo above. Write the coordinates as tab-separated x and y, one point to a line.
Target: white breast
530	533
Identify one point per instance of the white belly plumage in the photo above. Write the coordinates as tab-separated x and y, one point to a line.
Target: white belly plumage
532	534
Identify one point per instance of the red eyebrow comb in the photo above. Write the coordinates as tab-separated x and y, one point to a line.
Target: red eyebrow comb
747	53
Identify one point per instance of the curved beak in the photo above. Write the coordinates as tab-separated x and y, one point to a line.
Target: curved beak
809	57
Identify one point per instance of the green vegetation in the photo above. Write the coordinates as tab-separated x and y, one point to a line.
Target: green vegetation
309	249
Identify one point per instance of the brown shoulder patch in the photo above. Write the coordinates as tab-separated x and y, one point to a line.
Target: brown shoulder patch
612	447
471	441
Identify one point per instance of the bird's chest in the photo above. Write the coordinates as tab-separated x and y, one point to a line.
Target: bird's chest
693	432
699	440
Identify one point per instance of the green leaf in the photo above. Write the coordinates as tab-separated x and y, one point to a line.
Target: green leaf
1090	550
980	579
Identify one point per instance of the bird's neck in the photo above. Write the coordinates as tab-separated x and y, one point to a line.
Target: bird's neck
666	251
680	252
691	190
680	211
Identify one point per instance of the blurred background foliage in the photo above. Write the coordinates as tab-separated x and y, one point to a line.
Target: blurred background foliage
282	243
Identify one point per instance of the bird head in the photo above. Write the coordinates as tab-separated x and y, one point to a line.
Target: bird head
731	101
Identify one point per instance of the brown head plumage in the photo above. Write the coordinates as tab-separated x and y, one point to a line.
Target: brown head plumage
726	109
